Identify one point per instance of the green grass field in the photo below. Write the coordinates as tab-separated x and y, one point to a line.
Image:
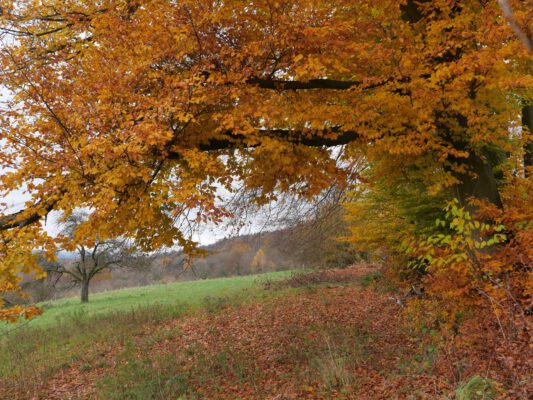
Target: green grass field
31	351
179	295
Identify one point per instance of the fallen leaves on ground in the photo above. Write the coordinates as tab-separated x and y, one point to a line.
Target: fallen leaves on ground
341	342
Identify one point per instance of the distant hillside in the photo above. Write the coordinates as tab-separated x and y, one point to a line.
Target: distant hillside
288	249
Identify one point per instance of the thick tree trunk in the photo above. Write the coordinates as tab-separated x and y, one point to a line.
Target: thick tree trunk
85	291
479	183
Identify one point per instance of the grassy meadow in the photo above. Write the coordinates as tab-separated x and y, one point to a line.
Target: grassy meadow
31	351
172	296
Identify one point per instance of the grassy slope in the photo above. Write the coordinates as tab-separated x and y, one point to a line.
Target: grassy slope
32	351
179	294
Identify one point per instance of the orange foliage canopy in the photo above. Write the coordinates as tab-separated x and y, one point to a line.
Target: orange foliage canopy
141	111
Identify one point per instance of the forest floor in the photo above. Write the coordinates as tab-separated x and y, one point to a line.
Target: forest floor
337	334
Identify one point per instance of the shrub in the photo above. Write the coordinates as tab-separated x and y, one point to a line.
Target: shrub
477	388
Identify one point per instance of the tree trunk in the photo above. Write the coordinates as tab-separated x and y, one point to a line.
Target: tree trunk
85	291
478	183
527	121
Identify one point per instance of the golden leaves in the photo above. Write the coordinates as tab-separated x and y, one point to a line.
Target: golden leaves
14	314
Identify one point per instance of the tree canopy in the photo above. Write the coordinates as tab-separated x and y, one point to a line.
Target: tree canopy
143	111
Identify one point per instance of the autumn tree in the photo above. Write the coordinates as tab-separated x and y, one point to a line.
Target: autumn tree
143	111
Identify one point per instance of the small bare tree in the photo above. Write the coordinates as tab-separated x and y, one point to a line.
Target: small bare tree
94	256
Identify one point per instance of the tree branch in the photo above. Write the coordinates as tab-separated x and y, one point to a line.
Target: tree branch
310	84
229	140
21	219
322	138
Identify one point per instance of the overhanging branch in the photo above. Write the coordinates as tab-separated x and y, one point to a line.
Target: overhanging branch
524	35
22	218
323	138
310	84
